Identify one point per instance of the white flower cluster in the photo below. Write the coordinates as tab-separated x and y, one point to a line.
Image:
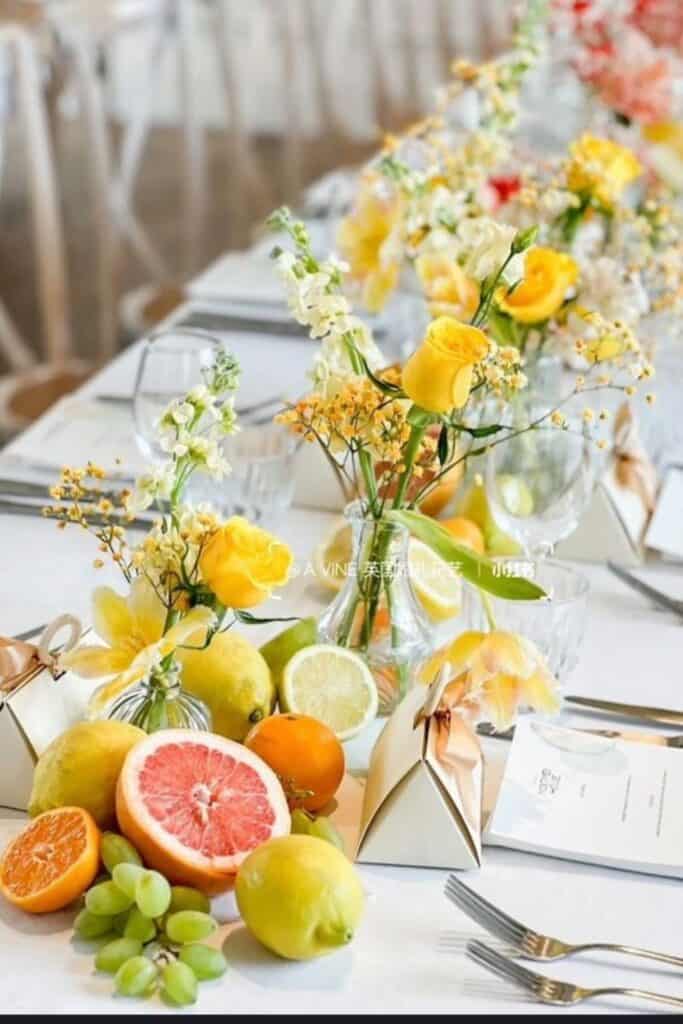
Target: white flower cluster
315	298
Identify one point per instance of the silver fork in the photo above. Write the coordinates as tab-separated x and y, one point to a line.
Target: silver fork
527	943
549	990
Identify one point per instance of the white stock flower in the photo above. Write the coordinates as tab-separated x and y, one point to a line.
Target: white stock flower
484	245
614	293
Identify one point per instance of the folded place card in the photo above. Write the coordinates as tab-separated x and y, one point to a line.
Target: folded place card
423	796
578	796
665	533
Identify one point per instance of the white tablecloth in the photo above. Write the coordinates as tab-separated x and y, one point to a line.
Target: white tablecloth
409	953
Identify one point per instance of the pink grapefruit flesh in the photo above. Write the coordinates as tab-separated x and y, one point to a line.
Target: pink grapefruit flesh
196	804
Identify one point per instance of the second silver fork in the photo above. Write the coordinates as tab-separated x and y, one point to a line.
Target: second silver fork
530	944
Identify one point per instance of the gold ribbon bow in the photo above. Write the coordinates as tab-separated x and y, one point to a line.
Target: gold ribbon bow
456	745
21	661
633	468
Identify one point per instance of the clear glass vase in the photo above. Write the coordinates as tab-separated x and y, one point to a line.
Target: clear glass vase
376	613
160	702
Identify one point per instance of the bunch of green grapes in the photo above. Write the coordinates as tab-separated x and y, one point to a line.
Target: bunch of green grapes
151	932
304	823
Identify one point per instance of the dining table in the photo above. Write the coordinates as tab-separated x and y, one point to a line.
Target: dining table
409	955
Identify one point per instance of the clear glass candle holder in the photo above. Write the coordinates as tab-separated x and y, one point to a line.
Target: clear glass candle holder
555	624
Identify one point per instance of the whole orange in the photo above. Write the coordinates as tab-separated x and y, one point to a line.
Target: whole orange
304	753
466	532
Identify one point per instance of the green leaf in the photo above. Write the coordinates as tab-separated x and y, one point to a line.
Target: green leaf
502	327
442	447
494	428
253	620
383	385
476	569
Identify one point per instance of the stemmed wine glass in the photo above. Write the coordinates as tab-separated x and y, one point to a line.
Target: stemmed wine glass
540	479
172	362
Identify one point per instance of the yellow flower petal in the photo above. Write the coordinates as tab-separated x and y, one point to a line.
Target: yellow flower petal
95	662
540	692
501	695
147	611
196	620
112	619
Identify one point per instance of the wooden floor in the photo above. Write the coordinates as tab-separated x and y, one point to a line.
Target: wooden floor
229	223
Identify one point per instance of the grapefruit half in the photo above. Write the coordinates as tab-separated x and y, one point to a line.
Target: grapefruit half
196	804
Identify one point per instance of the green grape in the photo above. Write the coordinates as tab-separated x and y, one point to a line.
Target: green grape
189	926
301	822
127	876
184	898
136	977
107	900
323	828
206	962
140	927
112	956
120	921
153	894
117	850
92	926
179	983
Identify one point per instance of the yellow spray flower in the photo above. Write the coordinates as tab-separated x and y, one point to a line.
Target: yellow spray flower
448	289
601	168
548	275
360	239
242	563
438	376
500	671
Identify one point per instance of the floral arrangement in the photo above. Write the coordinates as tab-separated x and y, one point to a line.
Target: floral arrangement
192	575
395	434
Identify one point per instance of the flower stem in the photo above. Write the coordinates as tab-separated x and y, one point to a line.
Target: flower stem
412	448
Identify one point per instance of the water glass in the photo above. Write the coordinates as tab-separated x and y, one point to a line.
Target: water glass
260	486
556	623
172	362
539	483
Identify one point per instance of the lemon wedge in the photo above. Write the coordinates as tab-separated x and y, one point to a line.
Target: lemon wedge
333	685
437	584
332	556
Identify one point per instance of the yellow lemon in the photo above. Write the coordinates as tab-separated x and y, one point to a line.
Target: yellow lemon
299	896
436	583
233	679
81	767
333	555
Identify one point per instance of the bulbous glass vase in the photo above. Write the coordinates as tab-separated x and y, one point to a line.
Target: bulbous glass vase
160	702
376	613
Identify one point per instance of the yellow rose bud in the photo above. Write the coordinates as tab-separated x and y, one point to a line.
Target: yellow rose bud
601	169
447	287
438	376
548	275
242	563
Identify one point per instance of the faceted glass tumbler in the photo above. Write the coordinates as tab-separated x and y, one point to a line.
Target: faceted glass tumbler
555	624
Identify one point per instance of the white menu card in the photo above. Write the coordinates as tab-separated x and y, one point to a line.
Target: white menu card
582	797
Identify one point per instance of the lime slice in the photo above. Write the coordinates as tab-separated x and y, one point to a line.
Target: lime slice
284	646
437	584
333	685
332	556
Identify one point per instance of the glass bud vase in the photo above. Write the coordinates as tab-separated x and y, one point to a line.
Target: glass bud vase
376	613
160	702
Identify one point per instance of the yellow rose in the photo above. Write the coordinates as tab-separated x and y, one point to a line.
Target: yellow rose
360	239
548	275
438	376
601	168
448	289
242	563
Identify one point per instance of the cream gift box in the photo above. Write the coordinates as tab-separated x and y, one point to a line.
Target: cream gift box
423	797
33	711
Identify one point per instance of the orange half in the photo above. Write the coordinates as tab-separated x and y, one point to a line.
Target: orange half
52	861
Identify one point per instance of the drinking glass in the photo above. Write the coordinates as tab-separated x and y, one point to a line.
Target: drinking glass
260	484
172	362
555	624
539	482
